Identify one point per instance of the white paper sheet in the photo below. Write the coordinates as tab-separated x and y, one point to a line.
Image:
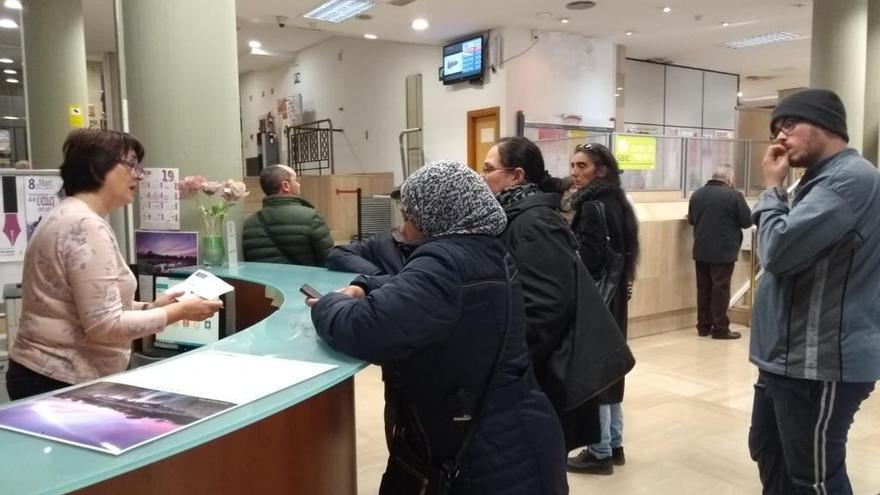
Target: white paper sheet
202	284
225	376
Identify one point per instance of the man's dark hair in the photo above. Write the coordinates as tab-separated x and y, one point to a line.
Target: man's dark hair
271	178
90	154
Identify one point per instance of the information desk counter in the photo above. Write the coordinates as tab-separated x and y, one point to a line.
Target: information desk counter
298	440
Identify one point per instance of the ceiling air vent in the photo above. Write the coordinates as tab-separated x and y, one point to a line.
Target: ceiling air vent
400	3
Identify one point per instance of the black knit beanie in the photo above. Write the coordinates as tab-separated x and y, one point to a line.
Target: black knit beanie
818	106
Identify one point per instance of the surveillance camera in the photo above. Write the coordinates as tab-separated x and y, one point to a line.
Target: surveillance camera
281	20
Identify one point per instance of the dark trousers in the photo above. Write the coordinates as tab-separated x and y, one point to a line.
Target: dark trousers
713	296
798	433
22	382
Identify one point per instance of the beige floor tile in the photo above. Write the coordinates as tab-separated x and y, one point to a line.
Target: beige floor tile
687	410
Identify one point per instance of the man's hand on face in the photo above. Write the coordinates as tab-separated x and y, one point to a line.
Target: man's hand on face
775	165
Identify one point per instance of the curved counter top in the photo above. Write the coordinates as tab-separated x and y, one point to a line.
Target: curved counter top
33	465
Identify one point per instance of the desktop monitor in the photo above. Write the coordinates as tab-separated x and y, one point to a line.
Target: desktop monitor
185	335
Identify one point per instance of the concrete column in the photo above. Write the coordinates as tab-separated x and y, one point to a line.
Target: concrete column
181	86
871	146
838	55
55	73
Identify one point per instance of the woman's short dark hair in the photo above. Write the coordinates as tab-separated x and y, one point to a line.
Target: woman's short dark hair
523	153
90	154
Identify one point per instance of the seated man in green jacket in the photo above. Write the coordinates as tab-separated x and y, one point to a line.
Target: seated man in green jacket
287	229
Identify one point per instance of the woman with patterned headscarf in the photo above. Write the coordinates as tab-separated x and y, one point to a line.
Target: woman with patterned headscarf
452	321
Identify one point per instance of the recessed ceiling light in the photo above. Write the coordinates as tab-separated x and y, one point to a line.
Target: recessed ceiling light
564	20
254	44
10	117
761	39
739	94
616	95
339	10
12	4
11	80
629	33
420	24
725	24
6	61
667	10
9	71
620	89
371	36
8	23
580	5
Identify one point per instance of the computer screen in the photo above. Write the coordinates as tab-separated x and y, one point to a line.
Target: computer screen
187	334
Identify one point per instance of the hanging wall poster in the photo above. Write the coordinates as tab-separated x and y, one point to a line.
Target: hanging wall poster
40	195
160	199
12	242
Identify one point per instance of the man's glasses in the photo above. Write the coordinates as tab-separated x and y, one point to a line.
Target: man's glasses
133	165
786	126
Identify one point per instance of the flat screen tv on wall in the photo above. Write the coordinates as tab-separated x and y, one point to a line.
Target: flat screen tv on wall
464	60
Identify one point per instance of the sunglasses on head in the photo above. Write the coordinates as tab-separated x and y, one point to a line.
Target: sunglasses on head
584	147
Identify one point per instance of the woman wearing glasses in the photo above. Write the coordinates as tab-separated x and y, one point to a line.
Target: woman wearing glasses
79	316
604	217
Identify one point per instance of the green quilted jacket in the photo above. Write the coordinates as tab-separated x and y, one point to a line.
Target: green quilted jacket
298	228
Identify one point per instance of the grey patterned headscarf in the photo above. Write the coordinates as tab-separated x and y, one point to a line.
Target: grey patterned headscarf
446	198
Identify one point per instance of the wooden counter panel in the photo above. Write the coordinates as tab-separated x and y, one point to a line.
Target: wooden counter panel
308	448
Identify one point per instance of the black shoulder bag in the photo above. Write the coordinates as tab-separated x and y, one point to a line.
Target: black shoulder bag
609	279
408	474
278	245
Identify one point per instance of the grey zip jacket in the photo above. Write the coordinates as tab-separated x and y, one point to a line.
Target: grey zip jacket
817	308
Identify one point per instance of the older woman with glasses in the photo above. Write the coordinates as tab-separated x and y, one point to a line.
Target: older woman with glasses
79	315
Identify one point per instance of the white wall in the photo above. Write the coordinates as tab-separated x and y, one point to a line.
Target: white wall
365	93
360	85
563	74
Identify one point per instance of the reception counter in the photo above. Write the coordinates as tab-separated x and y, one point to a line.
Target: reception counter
298	440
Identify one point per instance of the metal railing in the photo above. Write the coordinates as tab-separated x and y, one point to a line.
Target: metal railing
680	163
310	147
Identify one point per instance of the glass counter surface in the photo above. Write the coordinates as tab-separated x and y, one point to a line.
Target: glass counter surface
33	465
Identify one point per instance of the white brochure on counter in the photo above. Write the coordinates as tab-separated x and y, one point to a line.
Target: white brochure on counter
225	376
202	284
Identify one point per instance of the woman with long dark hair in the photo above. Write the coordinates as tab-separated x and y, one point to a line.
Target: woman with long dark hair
604	218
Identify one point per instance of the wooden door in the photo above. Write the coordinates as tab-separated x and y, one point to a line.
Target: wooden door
484	127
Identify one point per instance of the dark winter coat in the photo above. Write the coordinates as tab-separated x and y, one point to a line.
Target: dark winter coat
545	249
441	319
587	228
383	254
718	213
295	224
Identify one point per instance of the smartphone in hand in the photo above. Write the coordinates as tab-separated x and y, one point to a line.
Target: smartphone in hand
310	292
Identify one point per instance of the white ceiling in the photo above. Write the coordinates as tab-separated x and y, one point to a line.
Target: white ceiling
691	34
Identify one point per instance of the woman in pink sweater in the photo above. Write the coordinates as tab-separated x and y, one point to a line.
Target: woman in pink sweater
79	315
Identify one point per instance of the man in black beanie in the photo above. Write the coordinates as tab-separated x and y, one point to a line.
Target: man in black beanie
816	318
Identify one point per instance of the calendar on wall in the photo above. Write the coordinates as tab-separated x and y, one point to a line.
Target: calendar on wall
160	199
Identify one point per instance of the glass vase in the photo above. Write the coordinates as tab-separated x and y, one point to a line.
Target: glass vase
213	250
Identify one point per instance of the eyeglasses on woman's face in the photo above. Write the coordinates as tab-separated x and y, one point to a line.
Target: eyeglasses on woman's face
135	167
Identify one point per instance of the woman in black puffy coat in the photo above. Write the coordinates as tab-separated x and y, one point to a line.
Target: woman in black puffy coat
442	320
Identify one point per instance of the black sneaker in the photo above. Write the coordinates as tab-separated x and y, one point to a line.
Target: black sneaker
617	456
586	462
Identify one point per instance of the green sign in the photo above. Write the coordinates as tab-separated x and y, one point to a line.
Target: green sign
635	152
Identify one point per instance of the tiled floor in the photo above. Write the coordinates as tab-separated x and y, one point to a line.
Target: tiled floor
687	409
